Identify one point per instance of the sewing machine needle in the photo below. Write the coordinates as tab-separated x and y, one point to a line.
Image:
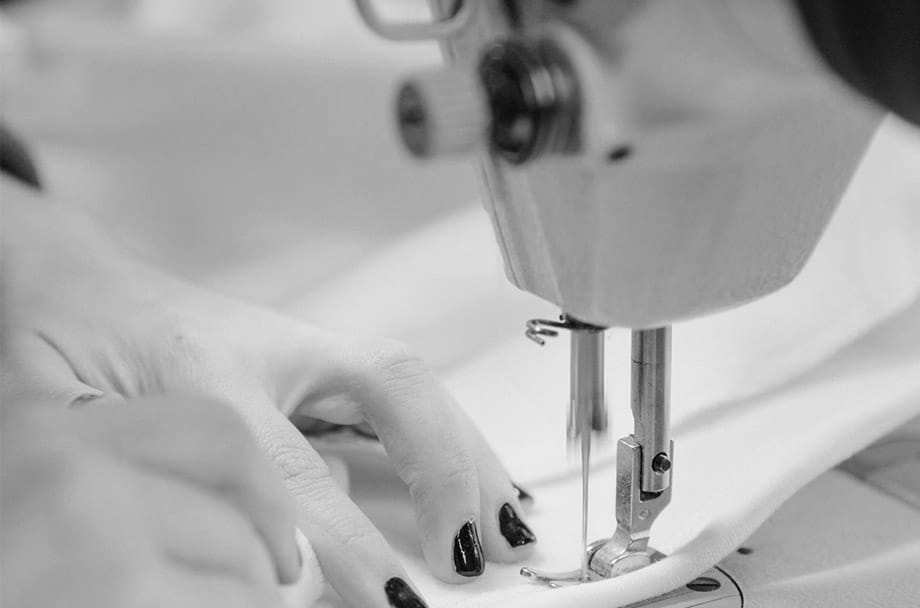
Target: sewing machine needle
585	475
587	414
587	411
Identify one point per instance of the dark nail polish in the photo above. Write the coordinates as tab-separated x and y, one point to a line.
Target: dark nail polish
401	595
512	528
522	494
468	559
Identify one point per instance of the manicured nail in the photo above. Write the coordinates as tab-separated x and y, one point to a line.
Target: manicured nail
468	551
512	528
522	494
401	595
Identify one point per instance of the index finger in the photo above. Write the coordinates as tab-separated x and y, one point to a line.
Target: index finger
355	558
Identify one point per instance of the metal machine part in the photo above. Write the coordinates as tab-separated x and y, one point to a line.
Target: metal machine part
458	15
636	511
528	87
651	396
520	102
587	403
517	97
580	123
442	112
644	459
715	588
588	130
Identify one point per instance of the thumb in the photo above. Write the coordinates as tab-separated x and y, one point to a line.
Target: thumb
33	368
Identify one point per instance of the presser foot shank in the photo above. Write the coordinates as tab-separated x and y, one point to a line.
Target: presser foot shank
627	550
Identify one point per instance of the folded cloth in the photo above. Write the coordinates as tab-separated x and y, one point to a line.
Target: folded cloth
751	423
441	290
729	476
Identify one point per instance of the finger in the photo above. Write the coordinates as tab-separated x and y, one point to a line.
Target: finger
506	536
413	417
207	444
200	532
35	370
379	382
355	558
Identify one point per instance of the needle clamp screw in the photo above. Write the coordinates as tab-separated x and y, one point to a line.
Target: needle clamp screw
661	463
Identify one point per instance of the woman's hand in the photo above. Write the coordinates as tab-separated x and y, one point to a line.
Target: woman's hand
86	323
157	502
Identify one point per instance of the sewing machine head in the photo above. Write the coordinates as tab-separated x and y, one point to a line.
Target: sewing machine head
644	161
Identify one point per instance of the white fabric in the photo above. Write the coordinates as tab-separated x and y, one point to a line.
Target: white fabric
750	429
442	291
860	548
730	476
733	472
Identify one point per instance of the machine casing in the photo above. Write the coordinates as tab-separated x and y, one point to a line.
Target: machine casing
705	166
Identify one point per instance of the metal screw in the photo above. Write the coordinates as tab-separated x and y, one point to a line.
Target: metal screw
661	463
644	513
703	584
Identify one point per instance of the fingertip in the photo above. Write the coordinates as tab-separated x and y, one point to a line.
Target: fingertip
468	556
400	594
509	538
455	553
515	532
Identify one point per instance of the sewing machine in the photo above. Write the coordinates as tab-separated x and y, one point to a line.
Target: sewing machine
644	162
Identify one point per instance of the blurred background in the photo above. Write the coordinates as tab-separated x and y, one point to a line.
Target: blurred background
236	143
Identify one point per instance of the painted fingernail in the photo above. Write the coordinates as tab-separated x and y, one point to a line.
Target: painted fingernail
468	551
401	595
522	494
512	528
